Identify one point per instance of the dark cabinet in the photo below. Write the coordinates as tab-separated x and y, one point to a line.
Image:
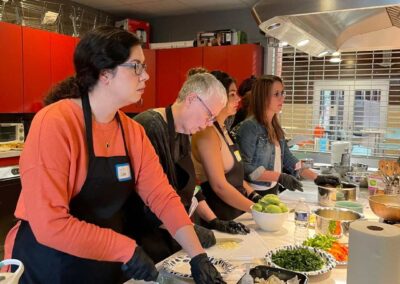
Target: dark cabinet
11	90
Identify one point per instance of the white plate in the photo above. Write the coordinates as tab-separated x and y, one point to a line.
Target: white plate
319	165
330	262
180	266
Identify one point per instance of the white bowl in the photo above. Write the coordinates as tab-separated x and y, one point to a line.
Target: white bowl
270	222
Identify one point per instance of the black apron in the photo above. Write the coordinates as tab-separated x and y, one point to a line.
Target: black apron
235	177
157	242
101	202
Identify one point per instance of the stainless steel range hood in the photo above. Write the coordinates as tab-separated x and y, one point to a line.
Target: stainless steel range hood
331	25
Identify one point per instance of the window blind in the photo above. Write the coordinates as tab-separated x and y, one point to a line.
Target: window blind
356	99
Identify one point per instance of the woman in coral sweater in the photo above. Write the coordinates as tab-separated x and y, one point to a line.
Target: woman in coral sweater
84	166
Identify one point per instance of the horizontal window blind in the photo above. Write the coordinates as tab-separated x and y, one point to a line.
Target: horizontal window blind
357	100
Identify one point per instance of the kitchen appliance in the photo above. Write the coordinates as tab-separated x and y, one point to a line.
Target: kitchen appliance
340	153
10	188
328	195
335	221
334	25
11	133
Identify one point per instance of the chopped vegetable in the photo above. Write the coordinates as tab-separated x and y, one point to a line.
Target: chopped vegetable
320	241
328	243
300	259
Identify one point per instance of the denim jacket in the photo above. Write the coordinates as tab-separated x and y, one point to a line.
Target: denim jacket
258	153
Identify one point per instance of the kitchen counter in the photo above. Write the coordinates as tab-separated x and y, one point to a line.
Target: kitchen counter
258	242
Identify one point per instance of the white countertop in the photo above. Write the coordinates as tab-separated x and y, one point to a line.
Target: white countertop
258	242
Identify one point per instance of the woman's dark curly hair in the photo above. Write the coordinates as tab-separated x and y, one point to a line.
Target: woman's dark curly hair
100	49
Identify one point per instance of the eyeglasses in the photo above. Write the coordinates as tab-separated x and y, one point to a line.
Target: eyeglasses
211	117
280	94
138	67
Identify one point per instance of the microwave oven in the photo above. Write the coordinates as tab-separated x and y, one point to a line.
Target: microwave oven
12	133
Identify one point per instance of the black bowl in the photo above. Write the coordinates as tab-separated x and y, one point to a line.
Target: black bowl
262	271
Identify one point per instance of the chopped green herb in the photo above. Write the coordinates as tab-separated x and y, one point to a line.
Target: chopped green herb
300	259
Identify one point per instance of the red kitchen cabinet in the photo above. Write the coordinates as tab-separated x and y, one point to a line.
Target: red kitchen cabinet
62	50
239	61
11	90
37	67
149	96
172	66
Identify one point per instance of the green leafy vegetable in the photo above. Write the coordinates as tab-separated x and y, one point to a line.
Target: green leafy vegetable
320	241
298	260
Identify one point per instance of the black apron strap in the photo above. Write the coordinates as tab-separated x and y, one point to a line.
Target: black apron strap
87	112
171	129
216	124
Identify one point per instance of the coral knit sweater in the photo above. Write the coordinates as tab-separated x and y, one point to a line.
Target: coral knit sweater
53	168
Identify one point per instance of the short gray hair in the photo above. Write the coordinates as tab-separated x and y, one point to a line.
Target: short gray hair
205	86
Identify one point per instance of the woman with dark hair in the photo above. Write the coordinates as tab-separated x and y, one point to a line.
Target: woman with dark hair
261	139
87	170
244	92
218	162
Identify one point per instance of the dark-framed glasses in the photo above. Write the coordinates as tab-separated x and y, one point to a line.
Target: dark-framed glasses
211	117
138	67
280	94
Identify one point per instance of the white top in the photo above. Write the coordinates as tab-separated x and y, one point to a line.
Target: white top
277	168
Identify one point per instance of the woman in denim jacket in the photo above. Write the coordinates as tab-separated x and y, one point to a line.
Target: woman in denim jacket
269	165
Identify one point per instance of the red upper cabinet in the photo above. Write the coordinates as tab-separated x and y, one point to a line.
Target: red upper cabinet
244	60
37	67
11	90
216	57
149	96
62	50
172	67
239	61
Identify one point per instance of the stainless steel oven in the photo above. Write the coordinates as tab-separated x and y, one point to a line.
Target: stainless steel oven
10	188
11	133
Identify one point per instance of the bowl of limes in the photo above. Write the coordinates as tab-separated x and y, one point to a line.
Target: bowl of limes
270	213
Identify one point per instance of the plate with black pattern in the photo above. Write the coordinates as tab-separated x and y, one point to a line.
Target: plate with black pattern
329	260
180	266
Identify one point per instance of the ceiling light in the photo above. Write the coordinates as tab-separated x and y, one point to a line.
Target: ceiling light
303	42
323	53
336	53
335	60
273	26
284	43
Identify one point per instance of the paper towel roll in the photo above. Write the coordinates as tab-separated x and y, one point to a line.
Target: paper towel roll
374	253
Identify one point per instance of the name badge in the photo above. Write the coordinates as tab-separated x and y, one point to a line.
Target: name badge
123	172
237	155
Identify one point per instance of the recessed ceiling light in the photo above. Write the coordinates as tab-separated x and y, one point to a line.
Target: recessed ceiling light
323	53
335	60
284	43
273	26
336	53
303	42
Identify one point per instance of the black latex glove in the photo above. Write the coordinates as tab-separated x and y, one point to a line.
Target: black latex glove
327	179
203	271
254	196
290	182
206	236
140	267
230	227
